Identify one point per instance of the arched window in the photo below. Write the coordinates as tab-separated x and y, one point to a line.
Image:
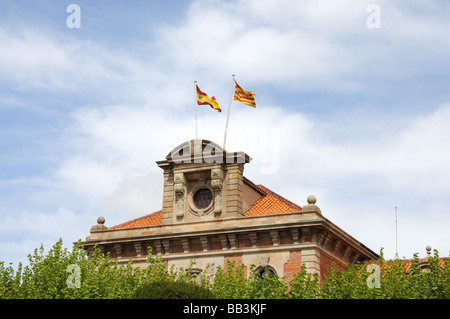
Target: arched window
266	271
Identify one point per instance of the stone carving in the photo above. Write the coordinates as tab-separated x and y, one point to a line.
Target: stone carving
180	190
264	261
216	184
210	271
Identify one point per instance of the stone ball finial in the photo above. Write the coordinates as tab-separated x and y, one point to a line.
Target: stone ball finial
428	250
311	207
99	226
311	199
101	220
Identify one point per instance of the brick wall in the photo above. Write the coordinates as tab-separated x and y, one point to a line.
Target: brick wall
128	250
238	261
326	262
286	238
264	239
195	245
293	265
176	247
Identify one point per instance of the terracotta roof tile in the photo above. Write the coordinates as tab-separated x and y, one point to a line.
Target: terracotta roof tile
152	219
271	203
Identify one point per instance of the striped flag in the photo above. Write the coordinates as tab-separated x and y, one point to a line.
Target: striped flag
244	96
204	99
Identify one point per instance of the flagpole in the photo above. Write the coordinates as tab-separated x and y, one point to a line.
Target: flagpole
228	114
196	126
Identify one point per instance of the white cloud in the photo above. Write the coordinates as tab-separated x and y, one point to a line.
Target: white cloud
134	197
27	229
310	44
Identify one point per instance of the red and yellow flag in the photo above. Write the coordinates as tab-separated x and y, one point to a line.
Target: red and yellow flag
203	99
244	96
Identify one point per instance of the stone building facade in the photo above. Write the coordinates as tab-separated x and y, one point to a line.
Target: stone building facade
211	213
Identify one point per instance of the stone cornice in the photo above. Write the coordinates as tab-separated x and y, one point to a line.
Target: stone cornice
232	225
305	228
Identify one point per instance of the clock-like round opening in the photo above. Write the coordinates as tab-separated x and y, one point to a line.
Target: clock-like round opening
202	198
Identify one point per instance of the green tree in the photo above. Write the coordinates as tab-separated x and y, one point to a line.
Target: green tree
304	285
52	275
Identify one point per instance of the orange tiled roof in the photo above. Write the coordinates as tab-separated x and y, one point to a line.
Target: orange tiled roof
152	219
270	203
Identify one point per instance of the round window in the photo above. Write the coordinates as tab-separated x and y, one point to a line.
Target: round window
202	198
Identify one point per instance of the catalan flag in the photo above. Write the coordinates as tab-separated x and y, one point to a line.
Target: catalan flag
244	96
204	99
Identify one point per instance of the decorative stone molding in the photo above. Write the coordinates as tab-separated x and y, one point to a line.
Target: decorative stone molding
204	241
343	250
232	238
323	238
295	235
264	261
138	248
185	244
253	238
158	247
210	270
166	246
223	241
333	245
314	235
275	237
180	195
217	185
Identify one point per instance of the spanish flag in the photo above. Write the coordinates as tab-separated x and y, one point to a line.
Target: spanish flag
203	99
244	96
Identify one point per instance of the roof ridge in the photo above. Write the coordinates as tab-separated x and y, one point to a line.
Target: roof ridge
135	220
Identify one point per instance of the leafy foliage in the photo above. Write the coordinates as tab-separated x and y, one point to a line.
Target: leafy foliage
50	276
398	280
168	289
304	285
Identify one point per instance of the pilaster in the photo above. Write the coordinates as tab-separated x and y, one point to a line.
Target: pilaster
311	259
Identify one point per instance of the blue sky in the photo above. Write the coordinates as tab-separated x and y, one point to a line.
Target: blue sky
357	116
